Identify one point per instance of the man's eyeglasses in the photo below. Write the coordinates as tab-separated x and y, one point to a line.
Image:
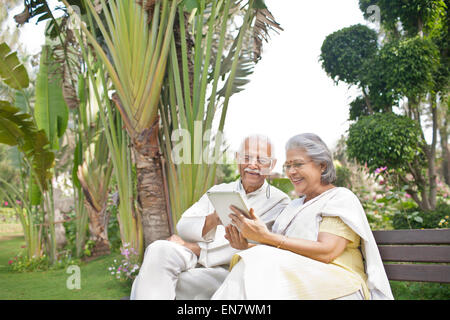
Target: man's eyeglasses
296	165
262	161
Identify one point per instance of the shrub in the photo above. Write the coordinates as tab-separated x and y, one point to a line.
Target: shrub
20	263
384	140
71	231
343	177
114	238
8	215
414	219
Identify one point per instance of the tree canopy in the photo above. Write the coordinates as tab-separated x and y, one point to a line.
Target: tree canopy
346	54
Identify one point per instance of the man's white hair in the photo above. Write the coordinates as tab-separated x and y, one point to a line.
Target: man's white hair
258	139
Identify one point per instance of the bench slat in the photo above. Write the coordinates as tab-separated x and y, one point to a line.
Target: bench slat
416	236
415	253
418	272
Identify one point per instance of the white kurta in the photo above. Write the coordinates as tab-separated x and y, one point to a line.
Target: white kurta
178	272
286	275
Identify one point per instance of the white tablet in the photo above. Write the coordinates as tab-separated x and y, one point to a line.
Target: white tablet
222	200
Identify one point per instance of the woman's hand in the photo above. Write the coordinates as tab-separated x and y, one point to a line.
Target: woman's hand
254	228
235	238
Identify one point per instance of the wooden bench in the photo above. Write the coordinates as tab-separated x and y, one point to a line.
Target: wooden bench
429	249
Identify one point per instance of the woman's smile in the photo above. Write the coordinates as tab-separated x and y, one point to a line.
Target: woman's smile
296	181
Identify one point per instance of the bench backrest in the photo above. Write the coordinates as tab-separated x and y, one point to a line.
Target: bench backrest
429	249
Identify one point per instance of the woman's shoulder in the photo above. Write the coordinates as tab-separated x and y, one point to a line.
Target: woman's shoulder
343	197
342	192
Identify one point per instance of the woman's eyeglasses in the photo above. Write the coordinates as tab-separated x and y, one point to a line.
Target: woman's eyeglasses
295	165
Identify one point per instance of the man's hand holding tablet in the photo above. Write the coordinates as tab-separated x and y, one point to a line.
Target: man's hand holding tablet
223	200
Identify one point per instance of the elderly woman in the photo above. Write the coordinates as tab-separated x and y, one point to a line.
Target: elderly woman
317	244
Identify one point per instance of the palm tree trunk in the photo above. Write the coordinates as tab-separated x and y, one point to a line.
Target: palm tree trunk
152	198
98	227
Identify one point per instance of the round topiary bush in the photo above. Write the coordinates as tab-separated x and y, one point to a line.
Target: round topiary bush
384	139
345	53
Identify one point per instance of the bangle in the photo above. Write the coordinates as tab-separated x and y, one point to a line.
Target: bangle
281	242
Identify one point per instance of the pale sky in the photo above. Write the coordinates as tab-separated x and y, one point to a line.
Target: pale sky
30	33
289	93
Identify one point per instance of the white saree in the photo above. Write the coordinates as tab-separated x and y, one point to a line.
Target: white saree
265	272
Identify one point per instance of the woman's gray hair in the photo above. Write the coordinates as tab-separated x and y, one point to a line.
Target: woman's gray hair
317	150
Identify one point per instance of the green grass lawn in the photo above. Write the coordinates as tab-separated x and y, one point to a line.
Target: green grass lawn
42	285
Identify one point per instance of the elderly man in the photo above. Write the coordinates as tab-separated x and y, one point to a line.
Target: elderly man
193	264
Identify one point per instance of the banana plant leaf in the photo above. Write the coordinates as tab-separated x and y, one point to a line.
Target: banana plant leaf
51	111
18	129
12	72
